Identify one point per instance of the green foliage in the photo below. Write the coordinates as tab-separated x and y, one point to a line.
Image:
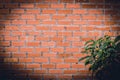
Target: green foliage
101	52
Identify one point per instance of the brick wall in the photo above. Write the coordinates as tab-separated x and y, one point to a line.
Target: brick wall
43	39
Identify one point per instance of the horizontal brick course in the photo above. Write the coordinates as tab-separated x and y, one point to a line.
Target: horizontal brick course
43	39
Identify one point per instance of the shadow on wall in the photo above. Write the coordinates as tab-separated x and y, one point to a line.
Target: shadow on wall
12	71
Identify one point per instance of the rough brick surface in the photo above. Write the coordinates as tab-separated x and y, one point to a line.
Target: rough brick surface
44	38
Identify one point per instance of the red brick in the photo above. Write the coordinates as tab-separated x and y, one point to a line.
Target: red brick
11	28
18	66
18	33
27	28
86	38
34	22
89	28
26	38
69	77
49	33
72	49
41	60
26	49
18	22
110	33
57	49
17	11
48	22
85	71
4	11
33	54
57	38
49	54
12	17
58	17
51	1
79	11
5	33
103	28
5	43
83	22
95	12
64	33
73	39
95	22
58	28
64	11
33	43
48	66
63	44
70	71
61	55
11	49
42	6
33	33
20	43
18	55
93	34
42	38
40	71
75	28
15	5
64	22
42	28
11	38
25	60
62	65
56	60
78	44
110	22
78	66
88	17
32	65
79	33
27	71
116	28
48	11
74	17
57	6
79	55
55	71
1	38
27	16
10	59
48	76
32	11
88	6
71	60
41	49
47	43
73	6
67	1
4	54
43	17
24	5
5	22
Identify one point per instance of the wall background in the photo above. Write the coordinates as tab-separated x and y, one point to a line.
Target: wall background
44	38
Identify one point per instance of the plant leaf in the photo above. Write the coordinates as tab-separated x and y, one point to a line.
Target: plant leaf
89	42
117	39
83	58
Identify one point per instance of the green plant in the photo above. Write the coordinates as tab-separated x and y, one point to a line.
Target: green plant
101	52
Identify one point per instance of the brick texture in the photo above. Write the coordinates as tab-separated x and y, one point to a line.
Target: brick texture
44	38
